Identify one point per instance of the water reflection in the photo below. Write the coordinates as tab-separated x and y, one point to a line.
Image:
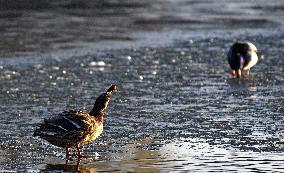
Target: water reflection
68	167
141	156
240	85
183	155
202	157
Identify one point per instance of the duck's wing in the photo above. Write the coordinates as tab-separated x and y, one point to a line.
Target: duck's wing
67	124
233	59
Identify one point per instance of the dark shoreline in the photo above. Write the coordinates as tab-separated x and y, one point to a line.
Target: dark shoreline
32	28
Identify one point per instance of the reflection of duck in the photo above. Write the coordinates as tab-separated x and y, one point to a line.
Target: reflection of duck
76	128
70	167
63	167
242	56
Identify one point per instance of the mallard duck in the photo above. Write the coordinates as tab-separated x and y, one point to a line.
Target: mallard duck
76	128
242	56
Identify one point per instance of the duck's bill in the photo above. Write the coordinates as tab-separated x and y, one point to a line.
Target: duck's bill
111	89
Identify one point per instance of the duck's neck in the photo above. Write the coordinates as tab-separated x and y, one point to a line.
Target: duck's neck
99	115
95	112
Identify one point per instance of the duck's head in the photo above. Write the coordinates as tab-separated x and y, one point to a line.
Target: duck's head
102	101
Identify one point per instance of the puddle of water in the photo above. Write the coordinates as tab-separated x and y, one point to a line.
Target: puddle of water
189	155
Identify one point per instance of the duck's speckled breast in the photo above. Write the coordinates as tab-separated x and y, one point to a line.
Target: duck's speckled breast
94	131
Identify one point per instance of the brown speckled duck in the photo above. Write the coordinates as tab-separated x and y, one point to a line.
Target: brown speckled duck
242	56
76	128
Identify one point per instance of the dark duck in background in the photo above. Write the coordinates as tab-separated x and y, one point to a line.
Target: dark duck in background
242	56
76	128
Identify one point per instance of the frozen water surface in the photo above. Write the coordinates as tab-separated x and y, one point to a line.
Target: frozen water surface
177	108
189	115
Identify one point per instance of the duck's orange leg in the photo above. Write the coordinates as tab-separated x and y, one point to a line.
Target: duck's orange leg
247	73
239	73
79	154
234	75
68	152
